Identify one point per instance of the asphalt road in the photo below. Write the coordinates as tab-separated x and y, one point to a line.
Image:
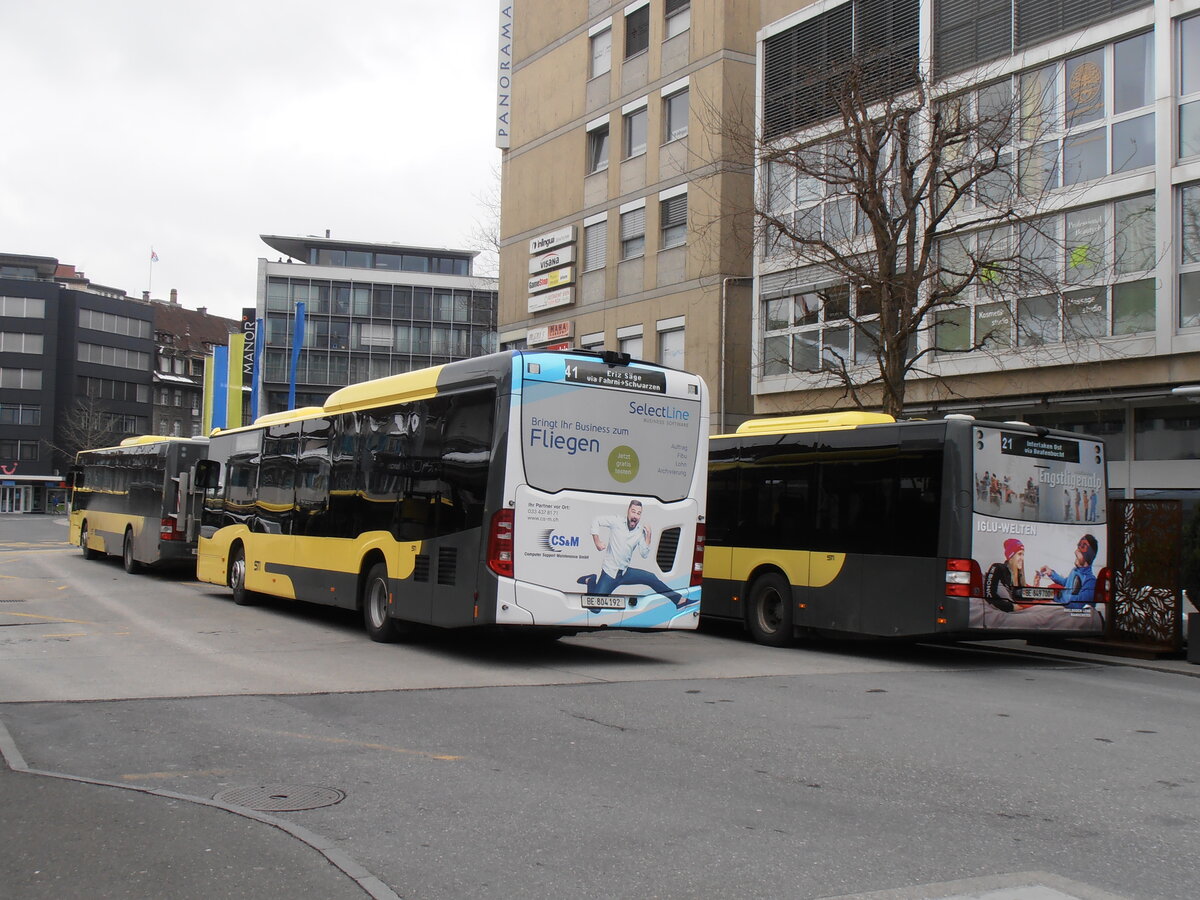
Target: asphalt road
610	765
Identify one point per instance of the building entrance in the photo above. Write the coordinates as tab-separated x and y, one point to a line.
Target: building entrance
16	498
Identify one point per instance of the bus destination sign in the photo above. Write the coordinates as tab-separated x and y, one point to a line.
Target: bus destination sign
1039	447
615	377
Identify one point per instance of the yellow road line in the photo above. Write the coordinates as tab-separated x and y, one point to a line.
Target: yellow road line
5	612
144	776
368	746
68	634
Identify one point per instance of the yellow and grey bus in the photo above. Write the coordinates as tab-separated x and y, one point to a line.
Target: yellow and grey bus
558	490
856	524
131	499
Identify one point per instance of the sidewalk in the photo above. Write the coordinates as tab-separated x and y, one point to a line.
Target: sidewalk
68	837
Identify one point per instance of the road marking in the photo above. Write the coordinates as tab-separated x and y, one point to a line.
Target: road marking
68	634
368	746
5	612
145	776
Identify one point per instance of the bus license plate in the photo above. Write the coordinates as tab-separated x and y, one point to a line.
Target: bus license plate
1037	593
593	601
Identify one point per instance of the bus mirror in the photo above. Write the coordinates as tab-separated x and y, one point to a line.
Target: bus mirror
74	479
208	474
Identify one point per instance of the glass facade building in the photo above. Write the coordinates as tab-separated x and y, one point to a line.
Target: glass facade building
370	310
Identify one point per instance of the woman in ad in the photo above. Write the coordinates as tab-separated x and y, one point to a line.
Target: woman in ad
1073	605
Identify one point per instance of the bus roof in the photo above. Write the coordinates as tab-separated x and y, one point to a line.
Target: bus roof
821	422
153	439
402	388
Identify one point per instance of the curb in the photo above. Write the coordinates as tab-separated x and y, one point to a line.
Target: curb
336	857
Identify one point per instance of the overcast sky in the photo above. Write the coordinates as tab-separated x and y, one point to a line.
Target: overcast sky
193	128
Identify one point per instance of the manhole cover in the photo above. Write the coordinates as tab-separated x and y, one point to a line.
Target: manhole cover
281	797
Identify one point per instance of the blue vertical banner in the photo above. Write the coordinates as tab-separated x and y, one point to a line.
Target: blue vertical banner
254	377
297	343
220	393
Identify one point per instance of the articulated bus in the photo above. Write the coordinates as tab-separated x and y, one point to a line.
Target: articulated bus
856	524
552	491
131	499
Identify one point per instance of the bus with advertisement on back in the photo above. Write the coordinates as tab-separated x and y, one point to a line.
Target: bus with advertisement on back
857	524
550	492
131	499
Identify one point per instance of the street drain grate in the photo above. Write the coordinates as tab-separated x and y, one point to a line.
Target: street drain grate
281	797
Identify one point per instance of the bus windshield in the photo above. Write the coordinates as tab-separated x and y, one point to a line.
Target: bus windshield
634	438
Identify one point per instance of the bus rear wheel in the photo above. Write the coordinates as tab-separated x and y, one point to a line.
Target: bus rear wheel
769	611
380	626
237	577
132	566
88	552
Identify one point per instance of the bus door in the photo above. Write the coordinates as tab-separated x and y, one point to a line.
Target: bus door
275	504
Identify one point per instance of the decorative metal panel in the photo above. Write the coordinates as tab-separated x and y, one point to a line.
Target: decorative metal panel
1147	605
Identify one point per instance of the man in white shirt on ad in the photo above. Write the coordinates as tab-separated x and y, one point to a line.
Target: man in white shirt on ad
619	538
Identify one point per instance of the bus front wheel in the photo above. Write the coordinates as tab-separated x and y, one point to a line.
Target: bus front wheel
380	626
769	611
88	552
132	566
237	577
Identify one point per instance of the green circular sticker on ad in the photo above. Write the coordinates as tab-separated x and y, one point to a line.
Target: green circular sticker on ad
623	464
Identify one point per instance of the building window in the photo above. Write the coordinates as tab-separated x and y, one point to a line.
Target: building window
634	128
811	330
1189	87
805	67
629	340
637	30
595	244
20	342
113	356
26	451
20	414
670	342
1083	274
23	307
672	217
1093	113
601	51
633	232
593	341
1189	277
675	115
111	323
678	17
22	379
597	139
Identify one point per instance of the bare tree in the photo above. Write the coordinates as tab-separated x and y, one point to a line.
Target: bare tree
485	234
84	426
919	213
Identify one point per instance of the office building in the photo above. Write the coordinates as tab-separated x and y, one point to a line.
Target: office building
598	247
75	371
370	310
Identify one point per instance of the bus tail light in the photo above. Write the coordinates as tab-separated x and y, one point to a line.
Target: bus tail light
698	557
168	531
964	578
1104	585
500	543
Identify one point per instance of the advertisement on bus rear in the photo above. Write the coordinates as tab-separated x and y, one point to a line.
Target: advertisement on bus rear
1039	532
609	514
